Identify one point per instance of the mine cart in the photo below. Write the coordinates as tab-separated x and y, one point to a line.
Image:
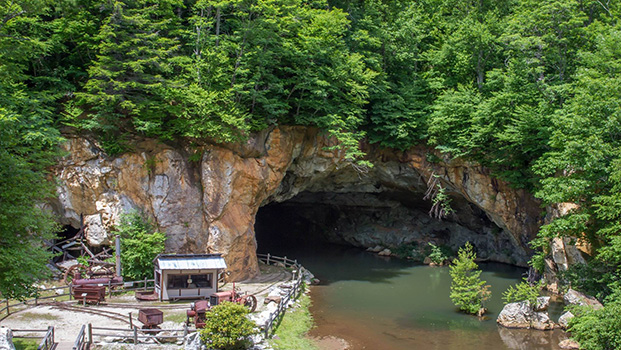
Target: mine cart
197	311
249	301
89	294
150	318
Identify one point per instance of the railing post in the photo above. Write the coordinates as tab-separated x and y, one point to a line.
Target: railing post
268	258
135	335
145	283
70	287
285	261
8	312
109	289
90	333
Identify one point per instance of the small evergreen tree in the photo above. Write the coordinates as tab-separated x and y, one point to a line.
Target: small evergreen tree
468	291
227	328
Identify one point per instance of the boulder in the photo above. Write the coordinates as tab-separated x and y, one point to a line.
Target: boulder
385	252
569	344
6	339
376	249
573	297
522	315
563	321
542	304
193	342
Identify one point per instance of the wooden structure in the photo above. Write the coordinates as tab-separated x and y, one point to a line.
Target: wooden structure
187	276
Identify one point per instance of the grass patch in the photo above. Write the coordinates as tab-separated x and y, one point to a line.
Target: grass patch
25	344
177	317
37	316
294	326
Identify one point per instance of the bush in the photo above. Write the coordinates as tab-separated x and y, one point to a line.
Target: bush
598	329
438	254
523	291
140	244
468	291
227	328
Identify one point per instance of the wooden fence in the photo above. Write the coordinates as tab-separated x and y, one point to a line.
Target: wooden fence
133	335
12	306
47	342
296	288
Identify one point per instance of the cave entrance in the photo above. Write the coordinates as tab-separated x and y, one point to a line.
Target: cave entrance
312	222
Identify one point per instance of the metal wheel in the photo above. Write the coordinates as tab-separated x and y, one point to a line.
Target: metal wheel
75	272
251	303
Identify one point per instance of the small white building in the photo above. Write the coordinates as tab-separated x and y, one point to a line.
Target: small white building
187	276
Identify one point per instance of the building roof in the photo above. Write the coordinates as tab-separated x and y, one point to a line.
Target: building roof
190	261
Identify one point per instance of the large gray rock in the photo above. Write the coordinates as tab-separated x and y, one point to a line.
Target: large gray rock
6	339
563	321
573	297
522	315
193	342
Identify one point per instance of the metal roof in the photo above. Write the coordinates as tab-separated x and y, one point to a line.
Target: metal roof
190	261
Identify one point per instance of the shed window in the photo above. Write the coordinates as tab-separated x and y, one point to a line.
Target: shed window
190	281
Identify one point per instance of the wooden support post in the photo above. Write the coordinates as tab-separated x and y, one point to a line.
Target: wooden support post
145	283
268	258
8	312
135	335
90	333
70	288
131	322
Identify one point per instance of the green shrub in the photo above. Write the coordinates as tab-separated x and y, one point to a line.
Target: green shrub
438	254
468	291
140	244
523	291
598	329
407	250
227	328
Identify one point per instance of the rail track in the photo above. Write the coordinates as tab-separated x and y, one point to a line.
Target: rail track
109	314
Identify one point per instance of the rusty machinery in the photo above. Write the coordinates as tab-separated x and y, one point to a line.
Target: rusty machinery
198	309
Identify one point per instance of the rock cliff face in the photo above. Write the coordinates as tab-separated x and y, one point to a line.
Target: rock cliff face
208	203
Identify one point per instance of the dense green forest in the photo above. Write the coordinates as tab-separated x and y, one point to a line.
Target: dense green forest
530	89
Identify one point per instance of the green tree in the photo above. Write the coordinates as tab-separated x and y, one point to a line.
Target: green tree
140	244
28	146
227	327
468	291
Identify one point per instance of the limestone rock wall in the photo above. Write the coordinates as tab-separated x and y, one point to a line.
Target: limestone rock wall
210	204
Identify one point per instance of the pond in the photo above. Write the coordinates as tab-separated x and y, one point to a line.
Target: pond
377	302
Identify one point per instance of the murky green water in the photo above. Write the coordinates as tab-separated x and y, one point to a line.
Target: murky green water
385	303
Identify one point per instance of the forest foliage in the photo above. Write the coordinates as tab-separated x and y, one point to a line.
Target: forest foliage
529	89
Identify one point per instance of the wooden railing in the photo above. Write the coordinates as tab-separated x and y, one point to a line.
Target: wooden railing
296	288
10	306
132	335
47	342
7	305
82	341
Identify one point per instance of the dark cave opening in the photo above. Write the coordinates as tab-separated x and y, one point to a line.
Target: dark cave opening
312	221
66	232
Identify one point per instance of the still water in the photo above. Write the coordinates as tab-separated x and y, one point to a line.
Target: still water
375	302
